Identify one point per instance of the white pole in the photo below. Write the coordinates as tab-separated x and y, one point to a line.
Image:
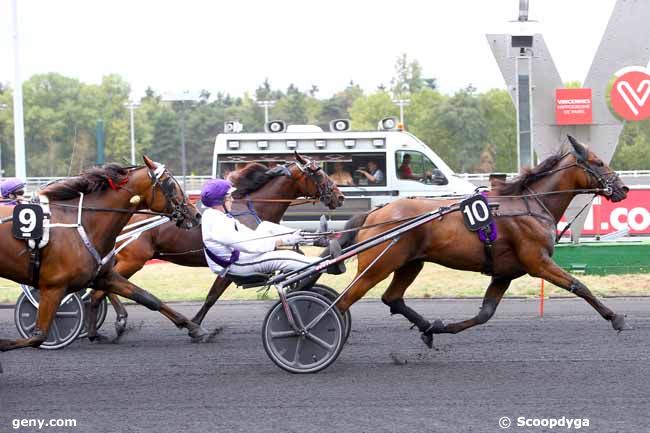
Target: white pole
19	126
131	107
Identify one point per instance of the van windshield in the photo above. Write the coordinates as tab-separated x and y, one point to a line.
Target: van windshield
346	169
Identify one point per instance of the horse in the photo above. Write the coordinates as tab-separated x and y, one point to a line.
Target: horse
262	194
529	209
87	214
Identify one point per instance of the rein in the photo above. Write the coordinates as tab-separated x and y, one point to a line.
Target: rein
116	210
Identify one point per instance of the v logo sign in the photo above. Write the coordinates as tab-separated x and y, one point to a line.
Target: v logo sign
630	94
634	98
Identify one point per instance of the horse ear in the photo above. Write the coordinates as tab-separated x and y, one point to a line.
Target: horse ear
299	157
149	163
577	147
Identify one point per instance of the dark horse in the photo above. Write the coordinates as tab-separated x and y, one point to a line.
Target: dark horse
530	208
69	262
268	192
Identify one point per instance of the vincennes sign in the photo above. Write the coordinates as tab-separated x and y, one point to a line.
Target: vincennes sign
573	106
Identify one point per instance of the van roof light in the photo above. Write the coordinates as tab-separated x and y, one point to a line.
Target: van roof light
349	143
321	144
292	144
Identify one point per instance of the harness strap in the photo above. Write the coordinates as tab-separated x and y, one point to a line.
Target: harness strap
224	263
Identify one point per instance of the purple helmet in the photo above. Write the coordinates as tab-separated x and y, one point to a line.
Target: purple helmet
10	186
214	191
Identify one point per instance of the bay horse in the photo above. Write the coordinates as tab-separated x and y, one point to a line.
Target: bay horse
262	192
529	209
95	206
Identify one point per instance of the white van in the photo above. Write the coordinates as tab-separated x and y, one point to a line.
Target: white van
370	167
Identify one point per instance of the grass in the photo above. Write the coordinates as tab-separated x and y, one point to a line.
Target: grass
177	283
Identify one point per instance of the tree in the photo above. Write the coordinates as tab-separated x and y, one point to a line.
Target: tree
465	129
501	119
338	106
366	111
408	77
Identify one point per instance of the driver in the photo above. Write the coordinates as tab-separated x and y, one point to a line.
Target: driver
12	189
232	247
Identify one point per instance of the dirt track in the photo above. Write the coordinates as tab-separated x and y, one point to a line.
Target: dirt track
571	363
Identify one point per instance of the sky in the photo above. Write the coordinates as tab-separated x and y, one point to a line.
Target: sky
189	45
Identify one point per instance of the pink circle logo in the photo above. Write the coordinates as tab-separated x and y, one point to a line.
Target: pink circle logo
630	95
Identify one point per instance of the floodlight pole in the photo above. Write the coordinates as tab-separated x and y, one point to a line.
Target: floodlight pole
19	124
401	103
182	99
2	108
266	104
132	106
183	151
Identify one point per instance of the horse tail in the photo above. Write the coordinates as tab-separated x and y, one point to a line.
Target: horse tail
348	237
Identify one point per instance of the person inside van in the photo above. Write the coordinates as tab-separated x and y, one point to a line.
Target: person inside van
404	171
341	176
374	175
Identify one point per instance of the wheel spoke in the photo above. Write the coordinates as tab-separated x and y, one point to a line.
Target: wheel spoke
67	314
320	342
29	327
57	334
283	334
296	353
296	317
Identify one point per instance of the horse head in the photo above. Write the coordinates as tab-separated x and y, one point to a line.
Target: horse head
161	192
314	182
597	174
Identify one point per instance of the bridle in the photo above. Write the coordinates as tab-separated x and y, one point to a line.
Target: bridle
606	181
176	208
315	173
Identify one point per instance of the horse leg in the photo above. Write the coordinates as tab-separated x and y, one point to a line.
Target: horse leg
493	296
121	314
393	297
47	307
551	272
218	287
115	283
96	296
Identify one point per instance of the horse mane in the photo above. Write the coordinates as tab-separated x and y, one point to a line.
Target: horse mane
90	180
252	177
528	175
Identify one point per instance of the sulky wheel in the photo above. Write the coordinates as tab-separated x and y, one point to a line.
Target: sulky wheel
102	310
307	350
331	296
66	325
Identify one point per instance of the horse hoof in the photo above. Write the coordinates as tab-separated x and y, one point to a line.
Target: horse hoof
427	339
97	338
618	323
197	333
120	326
